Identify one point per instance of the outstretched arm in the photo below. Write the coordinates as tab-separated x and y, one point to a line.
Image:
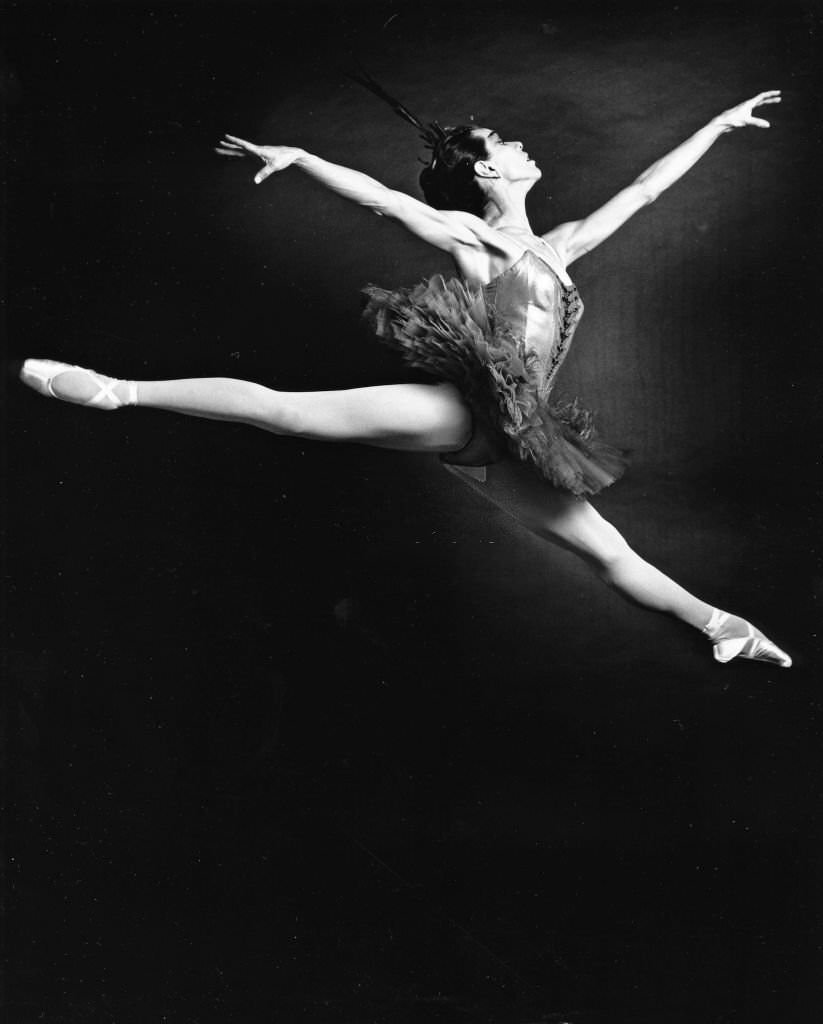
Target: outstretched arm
576	238
448	230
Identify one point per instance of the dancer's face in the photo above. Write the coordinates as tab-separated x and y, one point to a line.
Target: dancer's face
508	158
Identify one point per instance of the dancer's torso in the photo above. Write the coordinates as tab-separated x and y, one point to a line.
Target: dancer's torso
533	298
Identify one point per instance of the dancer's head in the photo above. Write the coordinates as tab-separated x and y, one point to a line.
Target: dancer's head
468	163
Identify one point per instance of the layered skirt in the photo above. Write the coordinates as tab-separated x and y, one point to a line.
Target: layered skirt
451	331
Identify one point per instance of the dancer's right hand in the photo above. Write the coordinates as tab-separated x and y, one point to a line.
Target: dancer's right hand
275	158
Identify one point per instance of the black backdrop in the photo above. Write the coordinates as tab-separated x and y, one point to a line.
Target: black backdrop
312	733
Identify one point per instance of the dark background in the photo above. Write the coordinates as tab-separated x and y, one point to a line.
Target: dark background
307	733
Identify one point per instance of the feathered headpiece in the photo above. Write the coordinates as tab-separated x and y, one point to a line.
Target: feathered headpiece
432	134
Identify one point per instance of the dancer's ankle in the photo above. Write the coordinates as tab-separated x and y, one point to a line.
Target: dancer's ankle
720	623
79	386
733	637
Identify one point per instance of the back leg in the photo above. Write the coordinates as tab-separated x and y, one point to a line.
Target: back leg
410	417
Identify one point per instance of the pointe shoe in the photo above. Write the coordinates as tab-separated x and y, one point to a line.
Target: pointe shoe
750	645
41	373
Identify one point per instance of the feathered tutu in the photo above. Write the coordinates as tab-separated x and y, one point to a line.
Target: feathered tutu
455	333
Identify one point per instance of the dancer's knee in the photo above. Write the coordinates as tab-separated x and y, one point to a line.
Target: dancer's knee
611	565
586	533
273	411
609	554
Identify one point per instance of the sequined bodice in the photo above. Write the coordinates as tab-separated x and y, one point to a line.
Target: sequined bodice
541	312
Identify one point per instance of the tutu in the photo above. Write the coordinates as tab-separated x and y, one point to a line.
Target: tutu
501	345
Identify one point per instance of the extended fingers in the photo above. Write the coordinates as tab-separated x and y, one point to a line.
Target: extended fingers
250	146
231	145
769	96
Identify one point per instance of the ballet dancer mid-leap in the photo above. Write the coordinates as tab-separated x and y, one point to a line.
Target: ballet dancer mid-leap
492	338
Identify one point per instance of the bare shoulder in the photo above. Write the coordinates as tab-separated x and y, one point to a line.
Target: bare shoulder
491	251
559	237
492	239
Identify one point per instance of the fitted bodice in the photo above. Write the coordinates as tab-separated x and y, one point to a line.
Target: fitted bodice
530	301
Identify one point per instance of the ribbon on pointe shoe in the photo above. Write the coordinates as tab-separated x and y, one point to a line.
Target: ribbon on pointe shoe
41	373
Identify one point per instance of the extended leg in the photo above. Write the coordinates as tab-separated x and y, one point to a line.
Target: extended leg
412	417
577	526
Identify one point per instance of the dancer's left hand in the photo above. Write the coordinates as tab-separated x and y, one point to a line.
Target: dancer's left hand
742	115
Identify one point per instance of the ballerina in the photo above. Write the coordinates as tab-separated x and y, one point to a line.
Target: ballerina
493	338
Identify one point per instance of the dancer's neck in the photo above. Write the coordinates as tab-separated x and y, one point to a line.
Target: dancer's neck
507	209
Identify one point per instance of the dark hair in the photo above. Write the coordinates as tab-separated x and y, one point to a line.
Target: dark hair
449	181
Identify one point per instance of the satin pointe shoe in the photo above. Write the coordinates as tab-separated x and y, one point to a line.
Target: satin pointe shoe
40	374
749	645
